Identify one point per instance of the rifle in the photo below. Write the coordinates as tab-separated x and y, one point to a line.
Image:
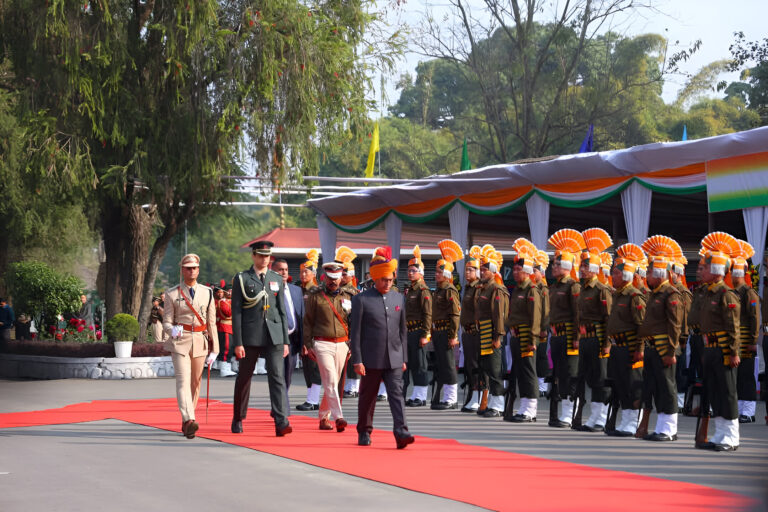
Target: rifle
554	400
642	429
483	402
702	422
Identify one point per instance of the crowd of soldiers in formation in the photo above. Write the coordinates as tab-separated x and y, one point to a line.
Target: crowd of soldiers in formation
626	326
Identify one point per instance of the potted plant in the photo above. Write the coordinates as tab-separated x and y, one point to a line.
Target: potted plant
122	330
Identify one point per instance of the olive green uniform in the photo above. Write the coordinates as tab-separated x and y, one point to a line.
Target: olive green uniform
542	362
564	321
595	303
418	317
446	312
491	304
470	338
627	315
749	331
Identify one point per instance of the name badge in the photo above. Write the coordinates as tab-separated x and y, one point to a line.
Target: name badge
274	286
346	304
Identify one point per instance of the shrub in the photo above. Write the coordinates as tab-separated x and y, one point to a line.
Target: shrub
122	327
42	292
74	349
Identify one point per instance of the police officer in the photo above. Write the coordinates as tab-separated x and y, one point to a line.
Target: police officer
749	330
594	349
564	319
539	278
308	278
260	329
524	323
491	305
677	279
470	339
625	368
418	317
189	322
660	331
326	337
445	320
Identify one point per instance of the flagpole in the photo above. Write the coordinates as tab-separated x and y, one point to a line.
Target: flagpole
381	110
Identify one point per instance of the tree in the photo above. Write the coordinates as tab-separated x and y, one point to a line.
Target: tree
753	87
166	99
541	72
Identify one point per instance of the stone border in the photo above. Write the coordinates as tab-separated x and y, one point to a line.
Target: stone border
114	368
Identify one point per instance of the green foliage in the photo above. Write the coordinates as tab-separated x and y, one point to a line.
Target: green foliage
122	327
42	292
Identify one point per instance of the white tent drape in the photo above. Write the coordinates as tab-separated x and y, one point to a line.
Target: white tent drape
756	223
636	203
538	220
458	218
327	233
394	226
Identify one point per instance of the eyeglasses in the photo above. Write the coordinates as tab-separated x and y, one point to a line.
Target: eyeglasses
412	271
191	268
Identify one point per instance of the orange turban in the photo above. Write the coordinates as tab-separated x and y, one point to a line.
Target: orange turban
382	264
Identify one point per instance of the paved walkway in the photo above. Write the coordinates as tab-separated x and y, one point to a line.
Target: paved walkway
118	466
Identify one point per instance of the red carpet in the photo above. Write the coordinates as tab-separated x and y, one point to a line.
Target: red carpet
445	468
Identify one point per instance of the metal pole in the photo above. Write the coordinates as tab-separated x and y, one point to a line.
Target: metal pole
185	237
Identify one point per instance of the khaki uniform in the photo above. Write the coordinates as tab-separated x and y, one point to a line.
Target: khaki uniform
720	327
491	305
446	313
524	321
350	291
326	331
189	350
595	303
627	315
470	338
749	330
308	366
696	342
418	318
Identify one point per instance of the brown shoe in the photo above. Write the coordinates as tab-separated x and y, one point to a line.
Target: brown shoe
325	424
189	428
341	424
283	431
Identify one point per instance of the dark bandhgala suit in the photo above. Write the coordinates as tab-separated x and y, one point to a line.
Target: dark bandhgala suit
379	340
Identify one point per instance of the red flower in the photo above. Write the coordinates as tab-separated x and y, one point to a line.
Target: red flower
51	329
59	336
91	327
80	328
98	335
73	321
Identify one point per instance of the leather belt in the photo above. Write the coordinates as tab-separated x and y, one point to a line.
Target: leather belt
193	328
340	339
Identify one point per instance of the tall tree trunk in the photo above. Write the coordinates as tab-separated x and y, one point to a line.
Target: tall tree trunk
138	233
155	258
113	250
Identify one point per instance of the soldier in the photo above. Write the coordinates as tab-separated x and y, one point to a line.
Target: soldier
677	279
695	345
606	260
156	320
640	278
418	316
224	326
346	256
308	277
446	311
543	370
563	318
189	322
661	333
326	336
720	314
749	325
491	305
594	309
625	366
524	323
260	329
470	339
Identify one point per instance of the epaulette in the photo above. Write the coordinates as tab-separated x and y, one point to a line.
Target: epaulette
315	289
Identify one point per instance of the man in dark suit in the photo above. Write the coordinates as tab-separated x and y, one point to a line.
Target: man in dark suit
294	313
260	329
379	341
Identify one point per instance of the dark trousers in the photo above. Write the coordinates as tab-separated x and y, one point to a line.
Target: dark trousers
542	361
695	367
311	371
565	368
351	371
226	350
445	361
746	386
720	385
681	374
523	371
627	382
417	362
592	370
273	354
659	385
289	364
490	366
471	348
369	389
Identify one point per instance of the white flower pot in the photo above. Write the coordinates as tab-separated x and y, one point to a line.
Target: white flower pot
123	348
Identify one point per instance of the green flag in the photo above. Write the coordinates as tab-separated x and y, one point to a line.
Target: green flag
465	165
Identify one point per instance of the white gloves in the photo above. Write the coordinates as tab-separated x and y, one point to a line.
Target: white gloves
211	358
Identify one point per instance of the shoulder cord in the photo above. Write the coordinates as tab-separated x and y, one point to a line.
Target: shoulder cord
249	302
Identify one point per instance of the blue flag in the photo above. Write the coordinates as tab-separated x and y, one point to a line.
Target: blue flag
588	143
685	132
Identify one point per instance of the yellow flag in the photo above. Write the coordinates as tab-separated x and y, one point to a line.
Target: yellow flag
372	152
